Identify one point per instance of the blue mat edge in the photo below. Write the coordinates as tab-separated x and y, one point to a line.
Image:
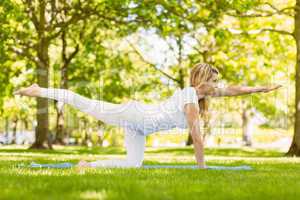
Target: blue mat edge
211	167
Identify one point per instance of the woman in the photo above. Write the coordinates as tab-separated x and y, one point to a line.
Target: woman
138	119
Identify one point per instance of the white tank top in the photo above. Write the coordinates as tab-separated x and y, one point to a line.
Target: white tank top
167	114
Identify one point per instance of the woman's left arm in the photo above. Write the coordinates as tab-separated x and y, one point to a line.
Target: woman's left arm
241	90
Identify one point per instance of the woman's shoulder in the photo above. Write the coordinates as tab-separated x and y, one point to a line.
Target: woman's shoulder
187	95
189	90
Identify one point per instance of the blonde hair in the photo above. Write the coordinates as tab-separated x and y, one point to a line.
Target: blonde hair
199	75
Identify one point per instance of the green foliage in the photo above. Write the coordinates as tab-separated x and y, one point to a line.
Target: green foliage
105	68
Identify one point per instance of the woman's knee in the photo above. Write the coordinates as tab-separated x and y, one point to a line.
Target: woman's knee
135	157
137	162
135	146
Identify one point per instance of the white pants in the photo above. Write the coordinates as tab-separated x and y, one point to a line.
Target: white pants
121	115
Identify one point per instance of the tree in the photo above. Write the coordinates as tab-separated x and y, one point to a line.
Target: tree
38	23
33	41
291	10
295	146
66	59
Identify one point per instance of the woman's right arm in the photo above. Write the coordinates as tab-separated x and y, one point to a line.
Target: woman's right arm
207	89
242	90
192	115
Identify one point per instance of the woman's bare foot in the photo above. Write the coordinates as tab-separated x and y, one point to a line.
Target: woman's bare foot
31	91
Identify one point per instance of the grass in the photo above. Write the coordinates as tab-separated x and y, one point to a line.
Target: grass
273	177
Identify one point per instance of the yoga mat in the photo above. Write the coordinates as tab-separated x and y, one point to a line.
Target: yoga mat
57	165
241	167
69	165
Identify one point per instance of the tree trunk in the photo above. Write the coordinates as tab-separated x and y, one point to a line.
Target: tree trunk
25	124
41	132
66	60
86	139
64	85
14	128
247	138
189	140
101	133
59	136
6	126
25	128
295	146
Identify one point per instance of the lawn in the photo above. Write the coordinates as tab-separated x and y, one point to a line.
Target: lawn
273	177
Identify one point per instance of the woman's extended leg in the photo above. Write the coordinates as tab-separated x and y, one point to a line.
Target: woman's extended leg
114	114
123	115
135	147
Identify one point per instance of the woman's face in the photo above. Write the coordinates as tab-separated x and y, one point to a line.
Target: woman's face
213	80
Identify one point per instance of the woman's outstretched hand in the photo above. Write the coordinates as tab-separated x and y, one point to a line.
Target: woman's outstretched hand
269	88
31	91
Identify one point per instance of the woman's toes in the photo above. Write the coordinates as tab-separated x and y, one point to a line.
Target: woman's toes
83	163
19	92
